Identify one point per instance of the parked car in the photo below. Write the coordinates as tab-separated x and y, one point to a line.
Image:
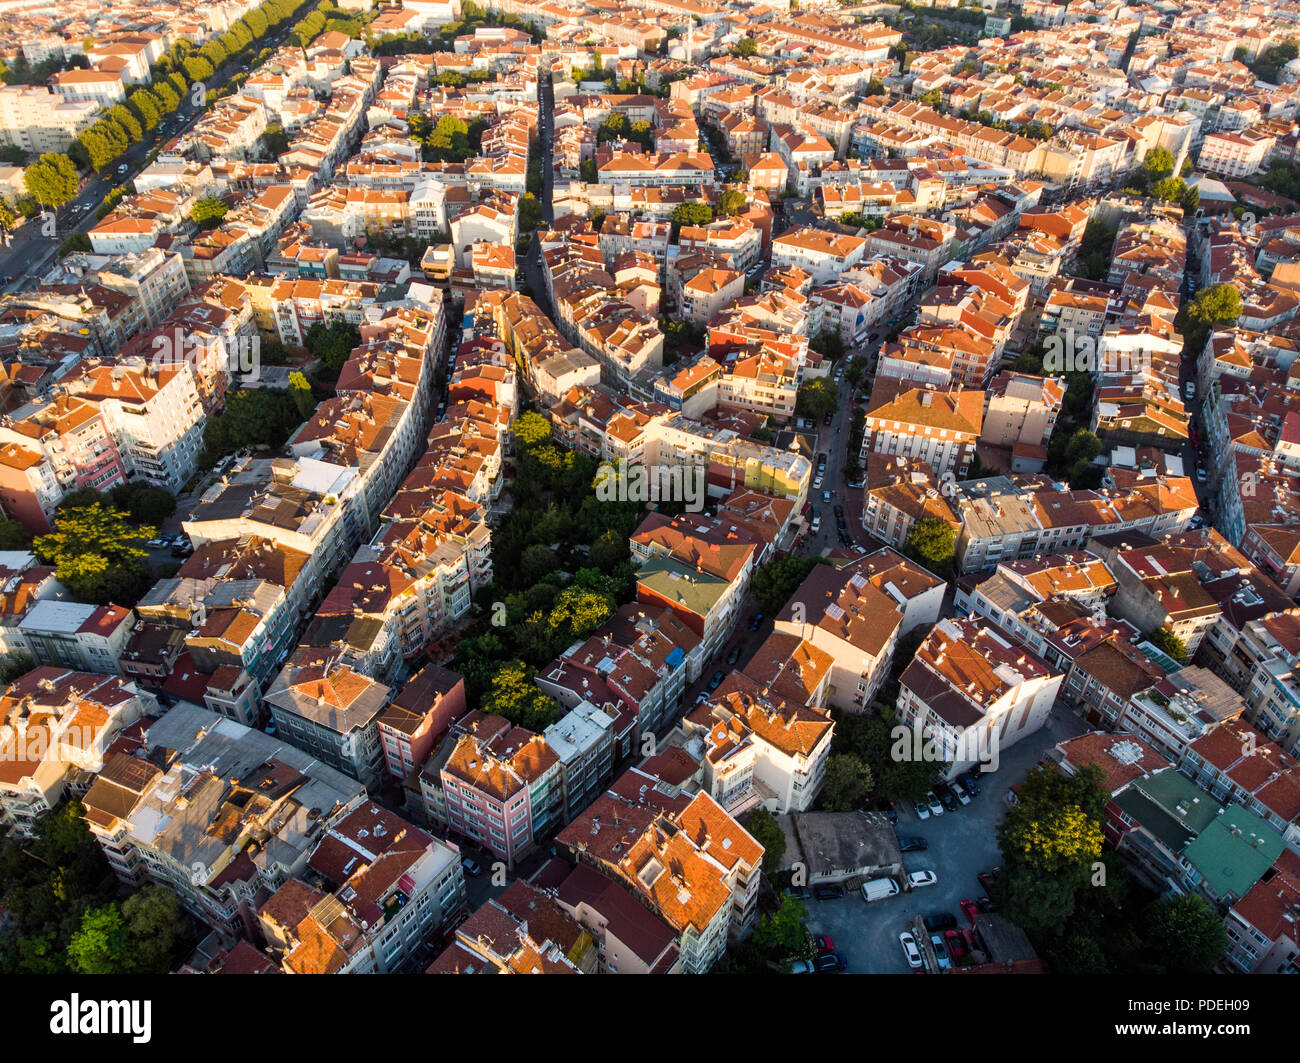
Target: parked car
816	526
922	810
158	544
799	893
940	921
932	803
971	909
823	943
910	844
817	483
970	780
956	944
471	866
985	905
986	880
717	679
959	791
917	879
734	655
940	952
826	496
755	621
910	950
877	889
947	797
801	967
828	891
830	963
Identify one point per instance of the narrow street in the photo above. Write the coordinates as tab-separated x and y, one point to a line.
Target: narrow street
533	276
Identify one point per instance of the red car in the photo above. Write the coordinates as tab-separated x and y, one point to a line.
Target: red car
956	944
971	909
824	943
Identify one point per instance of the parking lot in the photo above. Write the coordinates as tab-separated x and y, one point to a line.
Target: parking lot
961	844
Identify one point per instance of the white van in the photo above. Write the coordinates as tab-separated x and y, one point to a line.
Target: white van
877	889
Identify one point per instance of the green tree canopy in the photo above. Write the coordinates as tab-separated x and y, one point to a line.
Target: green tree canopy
208	212
1164	639
692	214
514	695
52	179
816	399
784	933
763	827
848	783
932	542
97	553
1186	936
775	582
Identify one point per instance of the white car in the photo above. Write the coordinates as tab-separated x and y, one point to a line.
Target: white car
909	947
940	953
917	879
817	483
921	811
934	804
816	526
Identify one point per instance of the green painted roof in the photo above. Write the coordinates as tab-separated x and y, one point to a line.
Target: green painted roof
1181	798
1234	851
675	582
1169	806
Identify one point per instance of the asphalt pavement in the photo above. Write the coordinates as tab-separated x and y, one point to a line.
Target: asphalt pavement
961	843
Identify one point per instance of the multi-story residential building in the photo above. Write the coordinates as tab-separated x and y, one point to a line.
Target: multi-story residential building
89	638
938	427
759	748
494	783
1177	710
331	711
701	573
823	255
972	693
56	727
1235	154
1261	925
689	863
1020	412
372	893
843	612
524	931
418	715
39	121
219	813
